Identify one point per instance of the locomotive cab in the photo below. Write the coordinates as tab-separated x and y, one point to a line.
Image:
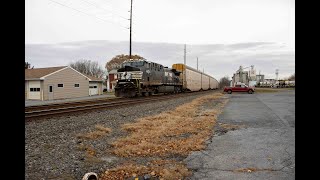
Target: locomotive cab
129	77
141	77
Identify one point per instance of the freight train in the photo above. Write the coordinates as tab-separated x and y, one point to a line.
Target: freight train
194	80
144	78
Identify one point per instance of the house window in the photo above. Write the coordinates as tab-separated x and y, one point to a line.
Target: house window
34	89
76	85
60	85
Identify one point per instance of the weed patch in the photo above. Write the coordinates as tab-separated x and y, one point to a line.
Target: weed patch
101	131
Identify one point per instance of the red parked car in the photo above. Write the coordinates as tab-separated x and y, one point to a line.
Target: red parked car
239	88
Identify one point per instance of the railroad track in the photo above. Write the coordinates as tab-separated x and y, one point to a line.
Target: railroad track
67	104
46	111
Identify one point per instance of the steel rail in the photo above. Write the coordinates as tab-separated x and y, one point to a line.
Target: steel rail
81	108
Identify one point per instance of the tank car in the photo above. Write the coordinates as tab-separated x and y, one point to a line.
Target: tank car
141	77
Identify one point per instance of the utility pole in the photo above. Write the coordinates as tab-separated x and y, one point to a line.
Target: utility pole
185	59
185	54
240	79
130	29
197	64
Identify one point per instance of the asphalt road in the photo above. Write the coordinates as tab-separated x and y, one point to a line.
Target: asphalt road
262	148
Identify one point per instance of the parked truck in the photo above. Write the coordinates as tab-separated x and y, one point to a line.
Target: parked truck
239	88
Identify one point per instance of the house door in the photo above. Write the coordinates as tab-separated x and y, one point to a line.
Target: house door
50	92
93	89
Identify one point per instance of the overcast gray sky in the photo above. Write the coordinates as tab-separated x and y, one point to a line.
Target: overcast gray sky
223	26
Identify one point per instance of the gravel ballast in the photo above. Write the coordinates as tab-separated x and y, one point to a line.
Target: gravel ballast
53	150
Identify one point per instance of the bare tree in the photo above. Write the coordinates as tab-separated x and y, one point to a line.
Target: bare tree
27	65
116	61
224	81
292	77
88	67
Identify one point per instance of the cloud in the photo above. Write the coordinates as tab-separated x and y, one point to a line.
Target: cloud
249	45
217	60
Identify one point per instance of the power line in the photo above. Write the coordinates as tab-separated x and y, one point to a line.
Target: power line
109	5
92	4
185	54
97	6
87	13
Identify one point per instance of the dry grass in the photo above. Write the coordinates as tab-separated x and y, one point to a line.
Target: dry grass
101	131
102	128
90	151
175	132
180	131
90	154
163	169
89	160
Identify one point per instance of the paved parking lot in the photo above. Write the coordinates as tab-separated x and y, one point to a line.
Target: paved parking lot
262	148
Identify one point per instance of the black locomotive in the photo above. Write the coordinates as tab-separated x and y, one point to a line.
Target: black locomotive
144	78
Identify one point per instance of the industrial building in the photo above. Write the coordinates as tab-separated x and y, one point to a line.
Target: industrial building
250	78
246	77
59	83
259	78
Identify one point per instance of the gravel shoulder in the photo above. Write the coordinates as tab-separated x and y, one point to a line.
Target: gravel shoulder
53	151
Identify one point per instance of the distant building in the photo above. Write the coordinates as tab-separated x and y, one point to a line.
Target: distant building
95	85
244	76
112	79
59	83
240	77
259	78
267	83
270	81
252	74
